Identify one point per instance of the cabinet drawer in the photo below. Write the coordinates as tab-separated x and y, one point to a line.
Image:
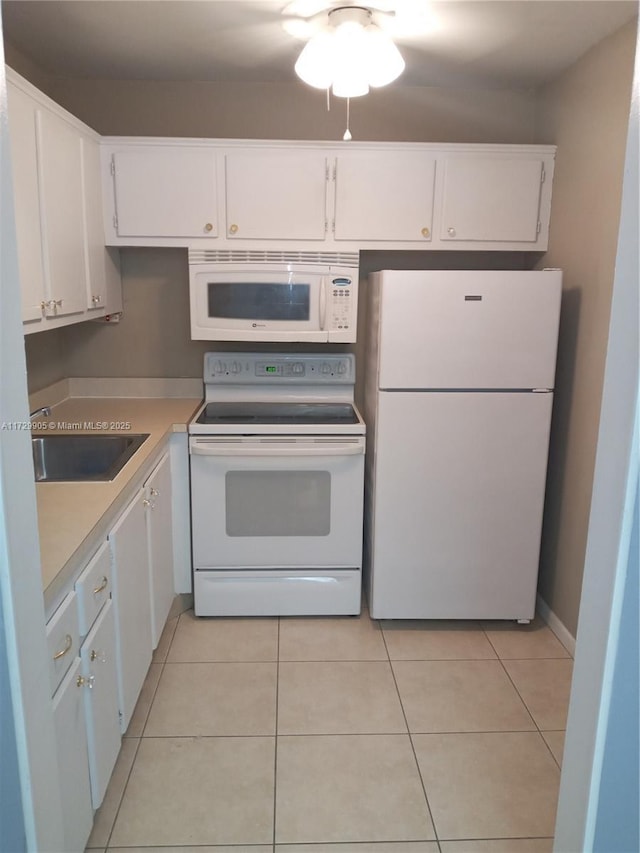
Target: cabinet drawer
63	640
93	588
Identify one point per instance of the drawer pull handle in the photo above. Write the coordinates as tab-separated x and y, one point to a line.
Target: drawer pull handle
103	585
68	643
81	681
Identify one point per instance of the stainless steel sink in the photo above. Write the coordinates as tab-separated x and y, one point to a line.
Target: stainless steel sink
82	457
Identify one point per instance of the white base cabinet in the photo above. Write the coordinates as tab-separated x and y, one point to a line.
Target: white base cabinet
98	656
160	545
73	761
131	596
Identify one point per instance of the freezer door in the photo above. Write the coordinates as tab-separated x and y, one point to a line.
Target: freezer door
461	329
459	487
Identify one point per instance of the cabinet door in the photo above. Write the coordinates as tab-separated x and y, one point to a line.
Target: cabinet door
160	541
103	283
491	198
276	195
165	191
61	206
384	195
98	655
128	543
22	130
73	762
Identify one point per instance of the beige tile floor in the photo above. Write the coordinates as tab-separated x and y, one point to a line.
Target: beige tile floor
342	735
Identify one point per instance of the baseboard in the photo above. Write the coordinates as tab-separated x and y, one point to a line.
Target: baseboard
561	632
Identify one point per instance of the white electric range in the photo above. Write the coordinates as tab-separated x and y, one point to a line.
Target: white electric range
277	481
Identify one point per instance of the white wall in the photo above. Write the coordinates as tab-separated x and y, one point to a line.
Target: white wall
586	771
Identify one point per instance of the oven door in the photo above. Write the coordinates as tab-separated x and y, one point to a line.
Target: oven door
277	502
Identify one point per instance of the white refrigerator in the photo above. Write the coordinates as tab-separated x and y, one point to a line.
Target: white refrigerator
458	403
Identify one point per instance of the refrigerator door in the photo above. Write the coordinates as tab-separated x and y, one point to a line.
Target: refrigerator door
468	329
457	515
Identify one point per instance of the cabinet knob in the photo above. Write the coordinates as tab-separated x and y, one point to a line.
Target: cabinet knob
233	229
81	681
451	232
99	656
148	504
208	227
425	232
154	493
96	298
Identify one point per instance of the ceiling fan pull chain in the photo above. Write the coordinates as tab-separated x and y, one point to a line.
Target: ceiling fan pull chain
347	134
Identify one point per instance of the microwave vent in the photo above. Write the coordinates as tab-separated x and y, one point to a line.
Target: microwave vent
221	256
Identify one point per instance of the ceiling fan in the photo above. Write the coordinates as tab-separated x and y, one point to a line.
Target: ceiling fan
349	45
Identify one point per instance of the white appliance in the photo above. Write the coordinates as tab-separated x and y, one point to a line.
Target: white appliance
277	483
458	403
273	296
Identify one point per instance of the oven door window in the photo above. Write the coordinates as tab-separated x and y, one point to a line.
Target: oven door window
278	503
266	301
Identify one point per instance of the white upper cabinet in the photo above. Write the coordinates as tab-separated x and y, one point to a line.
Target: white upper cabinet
102	275
24	162
384	195
491	198
164	191
61	206
278	194
66	274
300	196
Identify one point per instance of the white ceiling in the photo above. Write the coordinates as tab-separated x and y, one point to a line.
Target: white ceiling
473	43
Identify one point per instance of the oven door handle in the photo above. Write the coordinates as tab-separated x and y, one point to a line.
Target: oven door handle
291	450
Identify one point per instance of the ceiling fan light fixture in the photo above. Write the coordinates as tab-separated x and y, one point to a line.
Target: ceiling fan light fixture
350	55
315	63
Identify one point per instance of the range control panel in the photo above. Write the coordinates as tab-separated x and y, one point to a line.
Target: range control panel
278	368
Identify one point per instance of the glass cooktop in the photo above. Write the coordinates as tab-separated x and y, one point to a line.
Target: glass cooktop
278	413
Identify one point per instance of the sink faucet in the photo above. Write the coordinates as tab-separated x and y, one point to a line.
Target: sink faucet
43	410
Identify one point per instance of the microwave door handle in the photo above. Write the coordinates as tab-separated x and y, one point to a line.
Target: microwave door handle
322	308
221	450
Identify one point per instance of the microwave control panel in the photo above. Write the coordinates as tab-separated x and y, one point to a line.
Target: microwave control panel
342	305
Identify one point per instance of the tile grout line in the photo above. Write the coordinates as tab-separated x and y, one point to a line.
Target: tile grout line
126	784
413	750
535	723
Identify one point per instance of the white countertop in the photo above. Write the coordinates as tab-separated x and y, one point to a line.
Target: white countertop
74	517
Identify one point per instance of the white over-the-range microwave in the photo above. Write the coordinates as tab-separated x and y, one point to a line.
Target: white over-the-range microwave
273	296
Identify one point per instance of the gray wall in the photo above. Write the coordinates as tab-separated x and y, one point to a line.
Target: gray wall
585	113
